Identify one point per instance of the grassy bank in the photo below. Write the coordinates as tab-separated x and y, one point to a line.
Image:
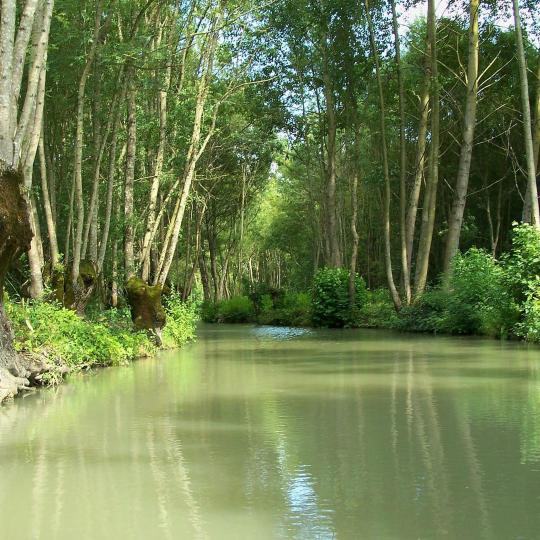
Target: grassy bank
482	296
59	342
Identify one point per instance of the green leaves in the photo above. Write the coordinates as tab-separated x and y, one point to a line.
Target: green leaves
331	302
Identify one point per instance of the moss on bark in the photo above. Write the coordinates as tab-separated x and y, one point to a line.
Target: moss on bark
15	237
144	300
77	295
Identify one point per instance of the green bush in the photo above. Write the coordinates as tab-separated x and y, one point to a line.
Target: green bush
209	312
478	301
522	264
528	327
331	303
70	343
238	309
65	339
378	310
294	309
426	314
181	321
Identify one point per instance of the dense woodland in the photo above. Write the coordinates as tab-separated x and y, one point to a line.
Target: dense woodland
230	146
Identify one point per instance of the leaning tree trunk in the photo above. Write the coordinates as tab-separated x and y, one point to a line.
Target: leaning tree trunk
386	168
430	198
15	237
402	162
527	129
469	124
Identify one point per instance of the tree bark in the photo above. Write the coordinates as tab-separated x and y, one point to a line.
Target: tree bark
79	143
420	162
129	259
158	168
527	128
386	171
331	174
195	150
402	163
430	198
51	226
469	123
15	237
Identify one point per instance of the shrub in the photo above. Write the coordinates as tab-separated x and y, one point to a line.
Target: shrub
65	339
529	326
294	309
238	309
181	321
378	310
331	303
478	301
70	343
209	312
426	314
522	264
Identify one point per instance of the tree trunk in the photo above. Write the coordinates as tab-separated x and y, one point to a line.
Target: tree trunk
469	123
420	162
331	174
194	152
129	259
402	163
527	128
387	191
158	170
51	226
15	237
430	198
79	143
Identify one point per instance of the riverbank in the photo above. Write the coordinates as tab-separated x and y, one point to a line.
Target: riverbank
53	342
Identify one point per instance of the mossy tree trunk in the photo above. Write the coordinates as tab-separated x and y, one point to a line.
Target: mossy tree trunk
15	238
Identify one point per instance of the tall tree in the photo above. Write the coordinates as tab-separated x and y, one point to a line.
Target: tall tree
526	111
469	123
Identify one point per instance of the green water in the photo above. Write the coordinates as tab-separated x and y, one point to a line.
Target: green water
265	433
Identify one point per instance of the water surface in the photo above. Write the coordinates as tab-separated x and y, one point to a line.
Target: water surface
264	433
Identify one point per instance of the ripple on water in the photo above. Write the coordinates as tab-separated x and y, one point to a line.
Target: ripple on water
280	333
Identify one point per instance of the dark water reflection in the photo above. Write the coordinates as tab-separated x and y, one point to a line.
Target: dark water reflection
262	433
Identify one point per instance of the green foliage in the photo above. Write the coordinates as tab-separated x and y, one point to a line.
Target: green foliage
528	327
522	264
478	301
237	309
69	343
331	303
522	277
378	310
181	319
426	314
293	309
60	335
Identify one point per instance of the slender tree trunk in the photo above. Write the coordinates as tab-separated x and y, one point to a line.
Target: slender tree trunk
110	185
469	123
129	259
355	241
331	173
430	198
101	141
194	152
402	163
79	144
387	191
420	162
51	227
158	170
8	10
527	128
